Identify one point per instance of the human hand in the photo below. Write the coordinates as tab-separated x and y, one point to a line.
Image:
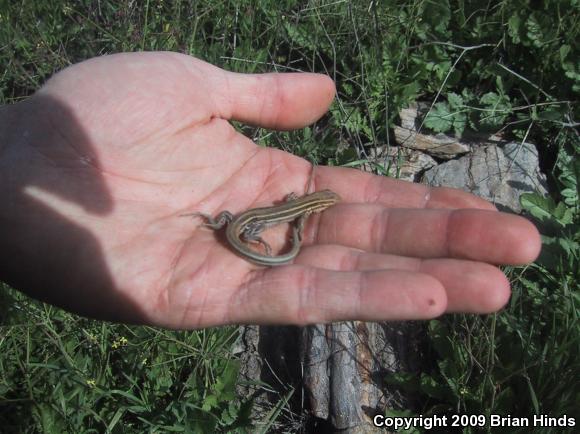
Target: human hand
102	161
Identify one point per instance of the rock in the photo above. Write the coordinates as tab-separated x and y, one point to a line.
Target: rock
441	145
402	163
344	369
316	376
525	174
496	174
409	117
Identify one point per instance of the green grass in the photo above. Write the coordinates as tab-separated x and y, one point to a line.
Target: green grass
62	373
505	66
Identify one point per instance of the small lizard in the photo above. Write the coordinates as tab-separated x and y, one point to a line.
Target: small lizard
247	226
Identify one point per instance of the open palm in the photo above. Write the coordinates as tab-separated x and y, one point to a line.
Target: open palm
139	139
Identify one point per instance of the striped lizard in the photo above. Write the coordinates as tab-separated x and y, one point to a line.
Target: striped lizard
247	226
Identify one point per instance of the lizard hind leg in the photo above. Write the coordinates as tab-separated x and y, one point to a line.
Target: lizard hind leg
222	219
251	234
260	241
